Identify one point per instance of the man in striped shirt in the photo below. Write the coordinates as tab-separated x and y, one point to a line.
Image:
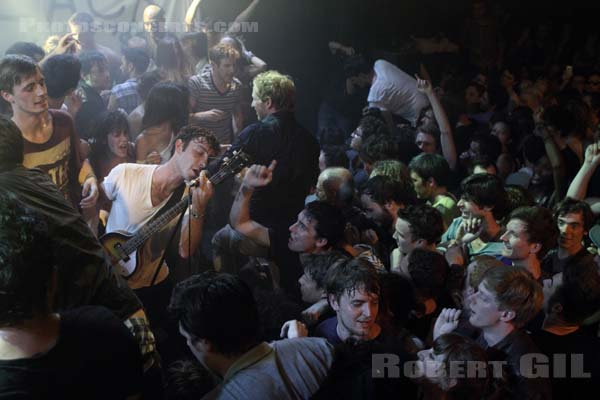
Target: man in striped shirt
216	95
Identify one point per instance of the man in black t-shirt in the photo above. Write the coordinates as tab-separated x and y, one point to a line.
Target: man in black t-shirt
574	219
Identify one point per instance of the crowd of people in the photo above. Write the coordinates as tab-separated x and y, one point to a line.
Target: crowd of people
169	230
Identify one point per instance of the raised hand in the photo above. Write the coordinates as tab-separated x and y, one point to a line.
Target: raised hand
446	322
424	86
259	175
592	154
67	44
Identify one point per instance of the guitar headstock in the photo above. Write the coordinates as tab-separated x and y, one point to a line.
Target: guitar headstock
231	166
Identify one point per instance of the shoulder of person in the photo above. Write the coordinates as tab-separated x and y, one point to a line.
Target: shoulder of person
60	117
317	346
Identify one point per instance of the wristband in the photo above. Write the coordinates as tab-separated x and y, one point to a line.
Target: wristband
196	215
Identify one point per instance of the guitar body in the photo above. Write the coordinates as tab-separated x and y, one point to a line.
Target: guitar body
112	243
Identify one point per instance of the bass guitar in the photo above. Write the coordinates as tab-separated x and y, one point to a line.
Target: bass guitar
122	247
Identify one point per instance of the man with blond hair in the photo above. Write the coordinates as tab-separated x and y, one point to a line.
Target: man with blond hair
277	136
505	301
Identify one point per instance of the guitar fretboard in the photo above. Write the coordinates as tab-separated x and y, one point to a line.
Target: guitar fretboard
145	232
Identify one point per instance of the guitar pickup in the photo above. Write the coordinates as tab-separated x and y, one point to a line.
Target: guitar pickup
122	255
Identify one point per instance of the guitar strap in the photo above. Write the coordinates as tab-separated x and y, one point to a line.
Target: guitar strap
176	197
172	201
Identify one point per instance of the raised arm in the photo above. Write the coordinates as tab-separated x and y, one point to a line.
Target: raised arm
255	64
191	14
446	137
244	16
239	217
579	186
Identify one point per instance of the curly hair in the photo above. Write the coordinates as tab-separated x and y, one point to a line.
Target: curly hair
279	88
26	262
394	169
192	132
221	52
372	126
377	148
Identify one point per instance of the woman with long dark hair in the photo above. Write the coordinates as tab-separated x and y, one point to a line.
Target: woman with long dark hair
109	144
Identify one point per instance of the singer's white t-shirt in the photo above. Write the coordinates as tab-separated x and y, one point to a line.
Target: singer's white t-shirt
129	186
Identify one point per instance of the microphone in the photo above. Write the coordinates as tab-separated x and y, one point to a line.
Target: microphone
193	183
196	182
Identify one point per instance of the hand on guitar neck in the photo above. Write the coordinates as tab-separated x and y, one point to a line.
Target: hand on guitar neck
202	191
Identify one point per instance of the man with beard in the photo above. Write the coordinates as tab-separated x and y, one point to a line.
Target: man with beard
381	199
216	95
417	227
574	219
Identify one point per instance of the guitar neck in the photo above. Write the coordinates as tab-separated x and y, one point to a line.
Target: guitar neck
146	231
